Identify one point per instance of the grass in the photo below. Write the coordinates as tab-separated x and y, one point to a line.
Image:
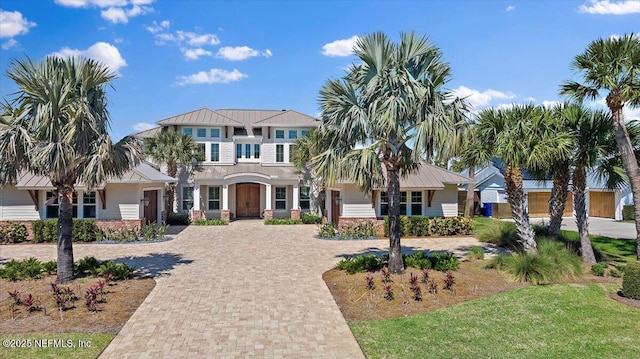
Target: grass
95	343
554	321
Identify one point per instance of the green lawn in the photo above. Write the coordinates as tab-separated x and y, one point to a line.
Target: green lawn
40	347
555	321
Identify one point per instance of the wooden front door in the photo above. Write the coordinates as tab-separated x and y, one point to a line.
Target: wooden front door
335	207
247	200
150	206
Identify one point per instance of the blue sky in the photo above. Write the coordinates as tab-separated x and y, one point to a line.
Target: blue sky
178	56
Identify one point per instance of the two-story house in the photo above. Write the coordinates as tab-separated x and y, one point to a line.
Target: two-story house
244	168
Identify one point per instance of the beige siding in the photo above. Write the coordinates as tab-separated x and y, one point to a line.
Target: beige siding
16	205
355	204
444	203
123	202
227	152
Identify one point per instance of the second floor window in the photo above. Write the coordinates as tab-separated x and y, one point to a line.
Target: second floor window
293	134
279	133
215	132
200	154
256	151
247	150
238	150
279	153
201	132
215	152
187	131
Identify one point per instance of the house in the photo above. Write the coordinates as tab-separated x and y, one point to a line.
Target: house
490	189
129	201
430	191
244	170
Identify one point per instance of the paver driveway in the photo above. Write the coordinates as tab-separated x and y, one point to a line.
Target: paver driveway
236	291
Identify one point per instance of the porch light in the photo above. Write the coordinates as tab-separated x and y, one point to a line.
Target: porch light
145	201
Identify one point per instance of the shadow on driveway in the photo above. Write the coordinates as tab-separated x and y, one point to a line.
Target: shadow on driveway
154	264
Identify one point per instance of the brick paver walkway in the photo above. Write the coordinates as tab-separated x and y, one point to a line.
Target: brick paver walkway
233	291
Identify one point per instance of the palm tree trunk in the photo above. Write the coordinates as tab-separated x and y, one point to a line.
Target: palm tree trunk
396	265
558	197
628	157
471	188
65	228
515	197
580	204
172	171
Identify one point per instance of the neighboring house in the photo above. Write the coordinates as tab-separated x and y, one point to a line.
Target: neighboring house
244	171
129	201
430	191
601	201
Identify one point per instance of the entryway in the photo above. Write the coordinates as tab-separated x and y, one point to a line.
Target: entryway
247	200
150	202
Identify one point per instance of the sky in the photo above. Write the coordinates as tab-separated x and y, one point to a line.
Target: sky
175	56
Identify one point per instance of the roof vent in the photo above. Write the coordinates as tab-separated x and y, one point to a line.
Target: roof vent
283	110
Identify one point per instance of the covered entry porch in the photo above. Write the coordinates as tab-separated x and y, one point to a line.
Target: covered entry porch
248	191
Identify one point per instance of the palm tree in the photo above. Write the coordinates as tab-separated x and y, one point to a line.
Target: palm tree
613	65
386	115
523	137
300	154
57	126
174	150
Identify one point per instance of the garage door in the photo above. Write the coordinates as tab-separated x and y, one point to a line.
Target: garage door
602	204
539	204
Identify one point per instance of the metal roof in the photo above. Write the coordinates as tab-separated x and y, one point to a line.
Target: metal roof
251	169
431	177
143	173
203	116
288	118
148	133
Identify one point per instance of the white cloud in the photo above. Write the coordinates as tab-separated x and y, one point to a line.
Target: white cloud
100	51
96	3
510	8
531	99
550	104
156	28
213	76
342	47
186	37
143	126
607	7
240	53
12	24
194	54
115	11
9	44
630	113
479	99
121	15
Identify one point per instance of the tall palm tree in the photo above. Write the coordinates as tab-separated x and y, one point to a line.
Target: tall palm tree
613	65
57	126
523	137
386	115
174	150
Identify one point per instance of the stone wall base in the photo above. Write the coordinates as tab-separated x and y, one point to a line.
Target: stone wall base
196	214
295	214
225	215
378	224
267	214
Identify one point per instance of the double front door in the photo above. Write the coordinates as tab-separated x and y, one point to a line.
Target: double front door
247	200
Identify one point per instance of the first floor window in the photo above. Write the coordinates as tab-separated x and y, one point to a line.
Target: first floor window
215	152
187	198
403	203
52	209
416	203
305	198
279	153
89	204
214	198
281	198
384	204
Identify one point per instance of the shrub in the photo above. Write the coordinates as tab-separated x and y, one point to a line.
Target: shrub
420	260
499	262
418	226
359	231
531	268
369	281
84	230
328	230
566	262
153	231
388	292
117	271
449	280
281	221
631	280
360	263
415	287
500	233
311	218
13	233
86	264
50	267
598	269
444	261
210	222
30	268
628	212
476	252
385	274
178	219
615	272
45	230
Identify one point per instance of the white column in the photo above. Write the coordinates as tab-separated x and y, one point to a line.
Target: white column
196	197
225	197
267	201
296	196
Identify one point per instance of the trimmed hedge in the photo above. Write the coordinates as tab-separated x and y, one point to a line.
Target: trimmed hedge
631	280
84	230
628	212
13	233
178	219
281	221
210	222
418	226
311	218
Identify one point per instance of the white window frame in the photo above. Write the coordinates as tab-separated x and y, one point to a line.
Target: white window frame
280	200
86	205
276	134
416	203
184	201
198	132
211	201
294	133
211	133
306	200
217	145
280	146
